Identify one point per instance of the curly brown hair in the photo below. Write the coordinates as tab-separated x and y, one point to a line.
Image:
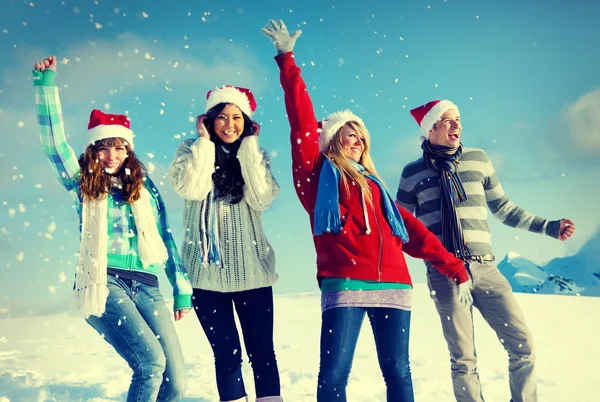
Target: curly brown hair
95	183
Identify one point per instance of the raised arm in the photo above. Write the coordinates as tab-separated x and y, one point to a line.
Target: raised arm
304	135
61	156
260	186
194	163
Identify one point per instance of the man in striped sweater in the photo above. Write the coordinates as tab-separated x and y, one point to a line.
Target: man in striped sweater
449	189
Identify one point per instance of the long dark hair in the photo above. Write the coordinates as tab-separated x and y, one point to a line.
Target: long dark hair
95	183
227	178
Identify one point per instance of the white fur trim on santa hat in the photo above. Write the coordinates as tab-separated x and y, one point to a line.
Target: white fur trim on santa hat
110	131
228	95
434	115
334	122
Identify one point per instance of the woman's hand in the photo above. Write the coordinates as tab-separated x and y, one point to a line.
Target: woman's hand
49	62
278	33
179	314
255	128
201	128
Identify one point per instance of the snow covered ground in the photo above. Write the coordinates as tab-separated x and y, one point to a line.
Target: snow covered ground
57	358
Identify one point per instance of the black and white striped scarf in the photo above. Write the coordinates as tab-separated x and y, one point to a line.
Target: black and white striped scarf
445	161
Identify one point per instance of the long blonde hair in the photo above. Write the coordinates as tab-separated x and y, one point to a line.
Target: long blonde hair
336	154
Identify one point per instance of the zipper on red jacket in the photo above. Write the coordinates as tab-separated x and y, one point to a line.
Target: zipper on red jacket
380	246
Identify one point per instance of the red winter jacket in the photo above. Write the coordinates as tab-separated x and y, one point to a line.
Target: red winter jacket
352	253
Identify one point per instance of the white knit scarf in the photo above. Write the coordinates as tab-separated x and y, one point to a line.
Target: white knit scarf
91	292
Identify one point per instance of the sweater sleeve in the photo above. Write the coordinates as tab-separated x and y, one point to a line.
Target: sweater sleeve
405	196
508	212
61	156
192	168
425	245
174	268
304	135
260	186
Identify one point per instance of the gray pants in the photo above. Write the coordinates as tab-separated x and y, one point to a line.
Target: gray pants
493	297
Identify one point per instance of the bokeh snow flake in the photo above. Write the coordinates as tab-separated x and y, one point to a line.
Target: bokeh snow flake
51	227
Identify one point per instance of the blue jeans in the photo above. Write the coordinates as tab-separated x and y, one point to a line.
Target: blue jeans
255	311
340	328
138	324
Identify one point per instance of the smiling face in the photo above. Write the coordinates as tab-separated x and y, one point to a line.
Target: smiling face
352	142
111	157
229	124
446	131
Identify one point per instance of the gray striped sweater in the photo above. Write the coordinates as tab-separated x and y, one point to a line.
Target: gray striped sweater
419	192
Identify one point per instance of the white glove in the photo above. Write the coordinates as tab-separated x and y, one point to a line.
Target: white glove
464	292
278	33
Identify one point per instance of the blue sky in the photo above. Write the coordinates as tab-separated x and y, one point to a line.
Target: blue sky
525	77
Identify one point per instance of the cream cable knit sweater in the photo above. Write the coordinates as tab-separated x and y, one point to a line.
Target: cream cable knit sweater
248	259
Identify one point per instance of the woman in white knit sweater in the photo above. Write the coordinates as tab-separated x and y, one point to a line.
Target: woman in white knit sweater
226	181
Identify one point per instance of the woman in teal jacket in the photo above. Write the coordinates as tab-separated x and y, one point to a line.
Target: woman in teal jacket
125	240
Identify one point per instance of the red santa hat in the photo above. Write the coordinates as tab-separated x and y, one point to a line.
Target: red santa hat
428	114
241	97
334	122
104	125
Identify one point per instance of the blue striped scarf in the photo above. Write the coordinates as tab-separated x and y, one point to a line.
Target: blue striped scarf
445	161
327	208
209	253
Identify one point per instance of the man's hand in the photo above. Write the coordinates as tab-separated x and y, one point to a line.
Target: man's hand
278	33
464	293
179	314
49	62
567	229
201	128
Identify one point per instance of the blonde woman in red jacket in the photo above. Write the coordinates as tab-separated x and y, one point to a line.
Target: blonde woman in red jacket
360	237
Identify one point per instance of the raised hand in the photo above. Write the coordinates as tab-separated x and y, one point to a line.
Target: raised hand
278	33
567	229
201	128
255	128
48	62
